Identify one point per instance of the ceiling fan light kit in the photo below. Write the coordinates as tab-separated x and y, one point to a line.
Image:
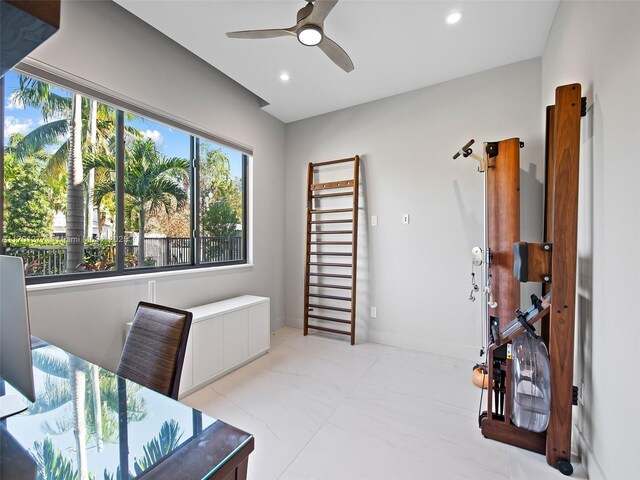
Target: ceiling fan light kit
310	35
308	30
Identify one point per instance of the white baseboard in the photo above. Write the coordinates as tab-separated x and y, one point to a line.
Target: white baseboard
277	324
587	457
200	386
465	352
294	322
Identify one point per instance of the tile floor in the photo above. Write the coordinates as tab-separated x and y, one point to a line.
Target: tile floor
322	409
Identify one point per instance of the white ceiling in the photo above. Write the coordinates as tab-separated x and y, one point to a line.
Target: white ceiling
396	46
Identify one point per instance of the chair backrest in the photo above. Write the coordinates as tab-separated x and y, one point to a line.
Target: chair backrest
154	350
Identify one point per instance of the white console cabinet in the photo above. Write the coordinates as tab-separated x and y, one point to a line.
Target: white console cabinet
224	335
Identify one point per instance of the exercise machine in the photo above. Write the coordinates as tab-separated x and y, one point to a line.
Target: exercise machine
507	262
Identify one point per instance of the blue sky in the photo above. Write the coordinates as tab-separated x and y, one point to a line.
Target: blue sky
169	141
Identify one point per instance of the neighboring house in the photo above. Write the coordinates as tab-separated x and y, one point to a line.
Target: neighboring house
60	226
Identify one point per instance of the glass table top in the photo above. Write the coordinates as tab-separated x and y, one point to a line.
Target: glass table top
89	422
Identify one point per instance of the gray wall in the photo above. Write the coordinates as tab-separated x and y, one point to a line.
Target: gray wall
598	45
418	275
100	43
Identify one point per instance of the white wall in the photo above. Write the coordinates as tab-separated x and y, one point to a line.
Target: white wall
418	275
101	43
598	45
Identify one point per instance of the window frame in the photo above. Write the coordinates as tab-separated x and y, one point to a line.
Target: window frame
123	106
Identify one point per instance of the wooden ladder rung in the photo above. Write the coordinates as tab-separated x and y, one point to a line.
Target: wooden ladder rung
328	307
331	185
327	195
330	319
322	242
319	264
332	254
331	232
331	330
330	297
332	162
331	210
332	275
326	285
319	222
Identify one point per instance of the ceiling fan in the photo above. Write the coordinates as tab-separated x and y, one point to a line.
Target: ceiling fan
308	30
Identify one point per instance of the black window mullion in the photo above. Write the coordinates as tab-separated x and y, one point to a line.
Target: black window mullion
2	165
195	201
120	150
245	161
196	210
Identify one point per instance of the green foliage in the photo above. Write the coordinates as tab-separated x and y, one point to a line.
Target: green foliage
54	242
51	464
55	107
150	178
220	219
50	364
54	395
136	405
57	392
159	447
27	196
155	450
220	194
152	183
35	93
115	476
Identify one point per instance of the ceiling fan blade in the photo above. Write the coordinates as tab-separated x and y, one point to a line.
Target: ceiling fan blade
321	9
269	33
336	54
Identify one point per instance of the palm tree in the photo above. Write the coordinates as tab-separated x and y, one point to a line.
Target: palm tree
93	410
51	464
56	115
56	111
78	125
159	447
156	449
152	183
79	392
75	191
92	138
41	95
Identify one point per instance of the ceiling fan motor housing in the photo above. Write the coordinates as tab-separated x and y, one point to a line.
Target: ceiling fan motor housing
305	11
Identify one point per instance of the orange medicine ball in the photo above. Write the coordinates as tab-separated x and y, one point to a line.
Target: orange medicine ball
479	377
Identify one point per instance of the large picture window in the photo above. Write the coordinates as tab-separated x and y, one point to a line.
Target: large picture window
89	189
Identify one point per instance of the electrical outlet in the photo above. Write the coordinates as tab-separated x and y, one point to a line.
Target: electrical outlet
405	218
374	220
374	312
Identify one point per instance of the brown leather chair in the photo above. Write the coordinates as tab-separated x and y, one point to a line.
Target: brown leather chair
154	351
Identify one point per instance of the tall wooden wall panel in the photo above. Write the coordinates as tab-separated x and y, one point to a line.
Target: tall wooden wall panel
566	155
503	190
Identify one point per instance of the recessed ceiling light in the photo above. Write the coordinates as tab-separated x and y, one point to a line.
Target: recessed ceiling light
284	76
310	35
455	17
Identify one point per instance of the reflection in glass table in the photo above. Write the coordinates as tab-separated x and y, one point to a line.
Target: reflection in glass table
89	423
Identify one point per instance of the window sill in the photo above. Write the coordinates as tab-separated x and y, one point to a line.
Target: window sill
142	276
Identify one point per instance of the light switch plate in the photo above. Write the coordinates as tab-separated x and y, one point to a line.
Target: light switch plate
374	220
374	312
